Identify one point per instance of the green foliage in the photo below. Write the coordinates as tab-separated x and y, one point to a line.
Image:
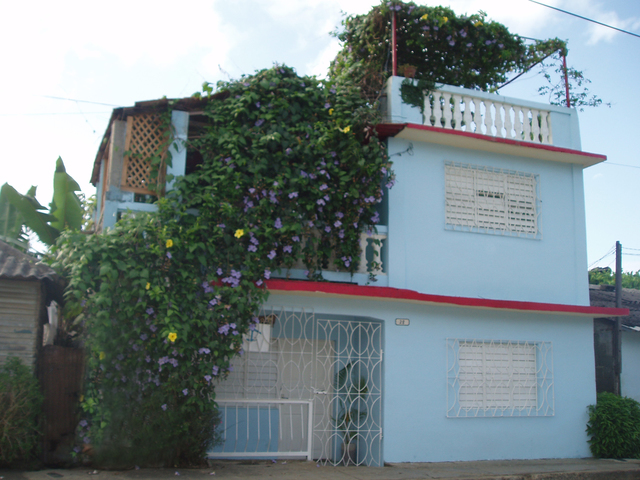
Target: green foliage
605	276
614	427
292	170
18	211
12	229
20	405
65	206
442	47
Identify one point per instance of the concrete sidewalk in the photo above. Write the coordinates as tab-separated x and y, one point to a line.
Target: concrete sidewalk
556	469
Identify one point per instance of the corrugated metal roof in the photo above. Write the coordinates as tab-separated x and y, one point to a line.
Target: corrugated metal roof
18	265
605	296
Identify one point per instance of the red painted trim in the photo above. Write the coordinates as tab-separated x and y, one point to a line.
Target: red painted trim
488	138
397	294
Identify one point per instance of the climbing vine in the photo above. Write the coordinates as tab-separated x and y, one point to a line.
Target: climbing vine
291	172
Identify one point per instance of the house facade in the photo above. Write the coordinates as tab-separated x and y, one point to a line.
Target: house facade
474	338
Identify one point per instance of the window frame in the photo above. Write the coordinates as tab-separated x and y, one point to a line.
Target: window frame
481	384
489	200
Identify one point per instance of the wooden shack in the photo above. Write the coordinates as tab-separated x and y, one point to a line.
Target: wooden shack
27	287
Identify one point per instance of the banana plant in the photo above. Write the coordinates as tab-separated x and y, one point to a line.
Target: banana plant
18	212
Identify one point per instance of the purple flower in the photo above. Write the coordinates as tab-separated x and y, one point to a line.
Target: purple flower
452	42
86	440
259	283
207	378
288	151
327	229
221	225
272	255
224	330
333	154
327	105
341	234
83	423
287	249
169	256
267	274
337	223
235	332
487	42
340	215
153	328
164	407
303	174
252	248
150	311
259	122
213	302
185	391
323	186
147	359
204	350
293	194
320	202
143	337
257	104
295	238
215	370
278	223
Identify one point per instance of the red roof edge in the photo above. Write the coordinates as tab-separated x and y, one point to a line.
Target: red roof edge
398	294
507	141
392	129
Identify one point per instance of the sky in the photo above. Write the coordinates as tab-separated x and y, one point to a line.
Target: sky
67	64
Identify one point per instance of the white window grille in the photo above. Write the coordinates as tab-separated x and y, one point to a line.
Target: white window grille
488	200
499	378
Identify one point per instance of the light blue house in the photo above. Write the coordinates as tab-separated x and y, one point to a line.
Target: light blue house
476	339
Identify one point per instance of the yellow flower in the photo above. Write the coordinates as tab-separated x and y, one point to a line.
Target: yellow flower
331	111
346	129
239	233
424	17
148	286
477	24
169	243
445	19
102	355
172	336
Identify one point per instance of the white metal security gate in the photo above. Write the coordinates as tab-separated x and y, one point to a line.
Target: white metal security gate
305	387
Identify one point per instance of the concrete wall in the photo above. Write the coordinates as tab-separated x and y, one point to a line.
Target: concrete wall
630	376
423	256
415	423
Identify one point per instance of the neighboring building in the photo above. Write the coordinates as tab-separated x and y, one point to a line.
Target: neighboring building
465	347
27	288
617	342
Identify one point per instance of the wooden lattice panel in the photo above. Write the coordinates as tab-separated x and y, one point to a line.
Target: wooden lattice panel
145	138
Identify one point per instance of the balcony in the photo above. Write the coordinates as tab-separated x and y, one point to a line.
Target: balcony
372	265
481	115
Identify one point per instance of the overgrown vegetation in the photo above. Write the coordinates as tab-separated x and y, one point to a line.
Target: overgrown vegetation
20	406
436	46
292	171
614	427
606	276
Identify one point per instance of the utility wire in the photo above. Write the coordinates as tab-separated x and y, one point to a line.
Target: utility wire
621	165
611	250
80	101
587	19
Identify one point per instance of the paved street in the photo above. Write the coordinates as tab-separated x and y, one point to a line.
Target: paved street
565	469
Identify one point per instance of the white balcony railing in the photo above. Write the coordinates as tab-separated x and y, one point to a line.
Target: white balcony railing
371	261
481	115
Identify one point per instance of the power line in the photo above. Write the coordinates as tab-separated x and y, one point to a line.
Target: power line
587	19
621	165
80	101
611	250
53	113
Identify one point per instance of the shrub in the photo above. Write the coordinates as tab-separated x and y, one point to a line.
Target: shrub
20	405
614	427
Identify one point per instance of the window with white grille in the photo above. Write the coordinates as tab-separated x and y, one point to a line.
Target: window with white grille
488	200
499	378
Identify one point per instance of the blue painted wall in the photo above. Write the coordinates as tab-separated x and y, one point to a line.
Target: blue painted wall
423	256
416	428
630	376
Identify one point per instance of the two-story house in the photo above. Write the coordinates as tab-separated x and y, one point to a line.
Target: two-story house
476	339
